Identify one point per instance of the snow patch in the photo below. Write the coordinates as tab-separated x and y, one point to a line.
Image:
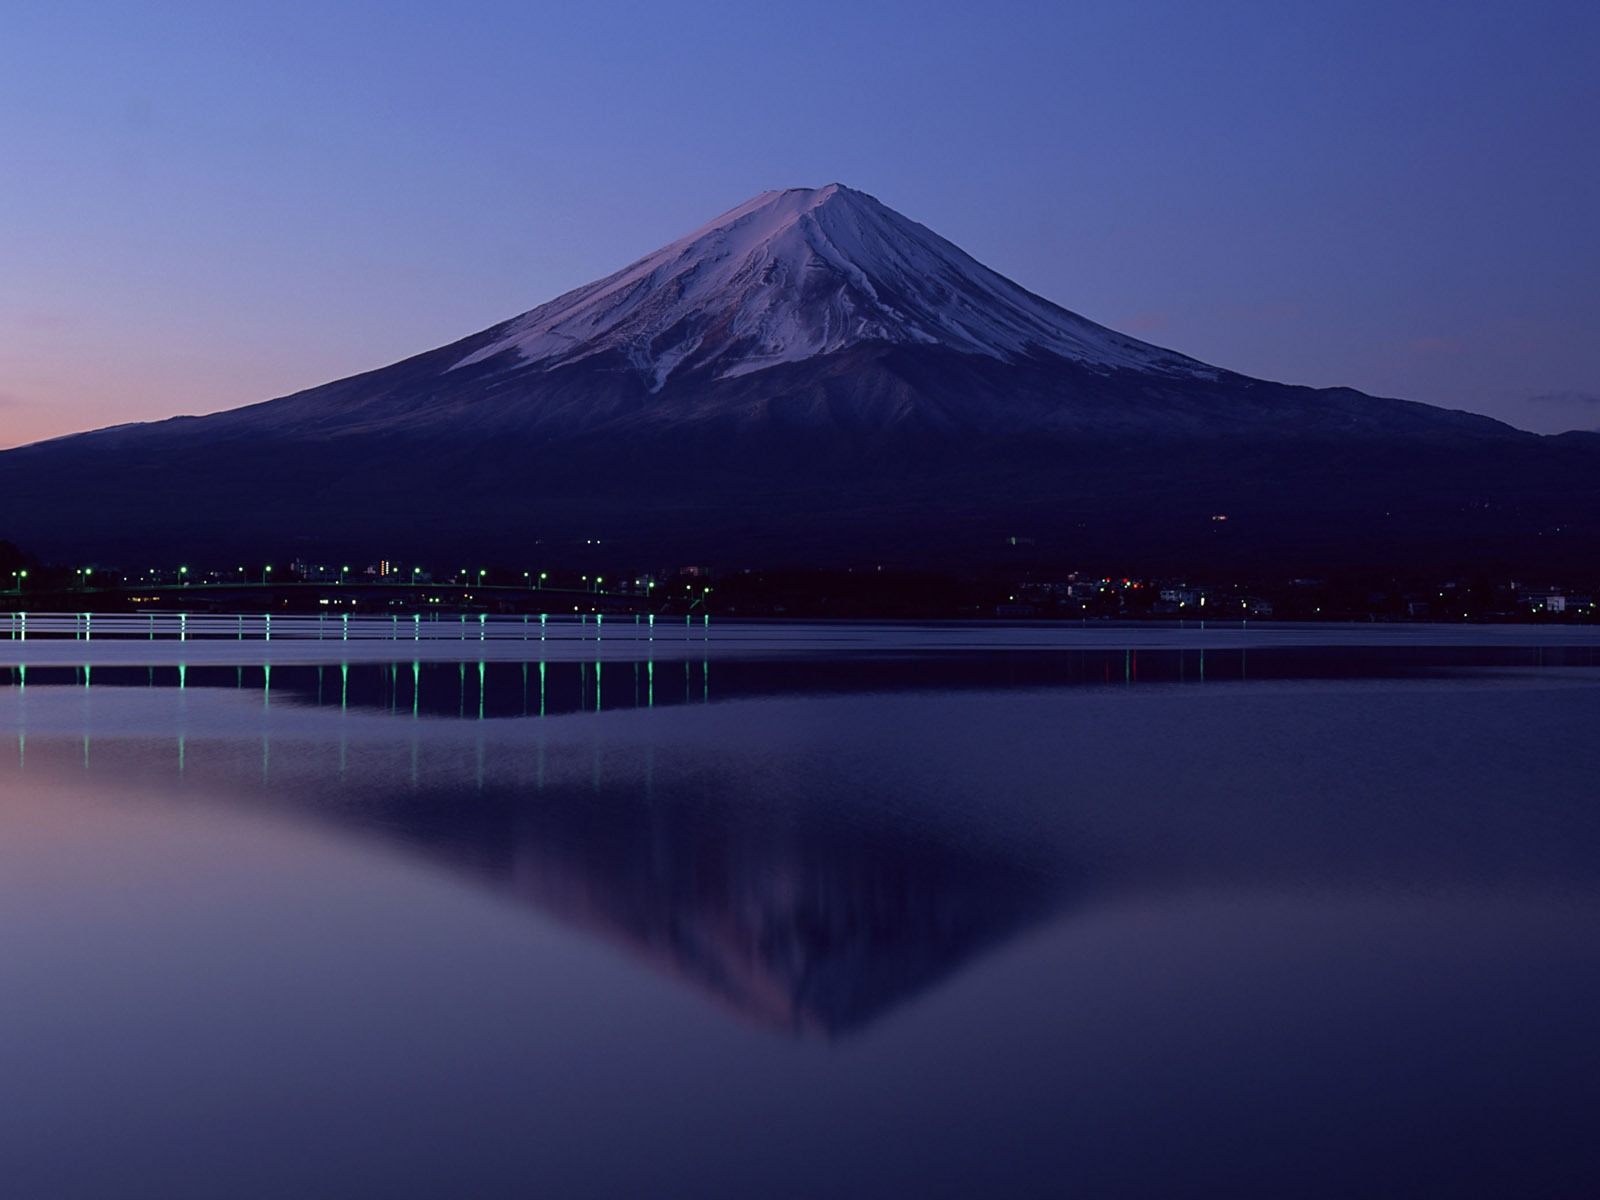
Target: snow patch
791	275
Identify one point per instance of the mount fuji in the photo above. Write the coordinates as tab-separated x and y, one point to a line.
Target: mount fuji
814	378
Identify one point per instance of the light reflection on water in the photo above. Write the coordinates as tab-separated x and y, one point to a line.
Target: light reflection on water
1315	925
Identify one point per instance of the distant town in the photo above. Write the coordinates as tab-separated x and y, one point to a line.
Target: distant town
391	586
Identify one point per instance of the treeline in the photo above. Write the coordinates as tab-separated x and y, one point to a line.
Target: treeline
25	574
13	560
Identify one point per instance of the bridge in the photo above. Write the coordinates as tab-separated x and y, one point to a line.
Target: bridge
168	625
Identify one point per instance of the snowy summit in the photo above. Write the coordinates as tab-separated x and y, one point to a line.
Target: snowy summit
794	274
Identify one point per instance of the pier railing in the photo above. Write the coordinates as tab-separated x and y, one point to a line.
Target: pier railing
430	627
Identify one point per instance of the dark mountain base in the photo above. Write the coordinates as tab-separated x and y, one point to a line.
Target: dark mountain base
1148	506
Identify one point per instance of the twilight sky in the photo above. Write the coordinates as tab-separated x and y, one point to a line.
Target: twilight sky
207	205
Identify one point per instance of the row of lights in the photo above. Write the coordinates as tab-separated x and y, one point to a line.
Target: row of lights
266	572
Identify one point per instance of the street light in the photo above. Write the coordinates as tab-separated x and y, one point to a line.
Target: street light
183	576
265	571
343	571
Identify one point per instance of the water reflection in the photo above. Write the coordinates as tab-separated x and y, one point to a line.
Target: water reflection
809	893
481	689
1154	938
793	919
784	889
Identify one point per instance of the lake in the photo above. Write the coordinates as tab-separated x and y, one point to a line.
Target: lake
815	910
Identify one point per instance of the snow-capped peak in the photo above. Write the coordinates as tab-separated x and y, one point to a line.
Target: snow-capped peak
793	274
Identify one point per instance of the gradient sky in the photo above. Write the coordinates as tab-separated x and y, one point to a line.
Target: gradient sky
206	205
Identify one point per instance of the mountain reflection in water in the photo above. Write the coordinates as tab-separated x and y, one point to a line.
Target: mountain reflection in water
799	897
804	892
797	919
1305	924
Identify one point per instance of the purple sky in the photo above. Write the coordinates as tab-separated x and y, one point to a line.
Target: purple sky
204	205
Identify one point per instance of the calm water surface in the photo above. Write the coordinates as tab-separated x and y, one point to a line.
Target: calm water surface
927	914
